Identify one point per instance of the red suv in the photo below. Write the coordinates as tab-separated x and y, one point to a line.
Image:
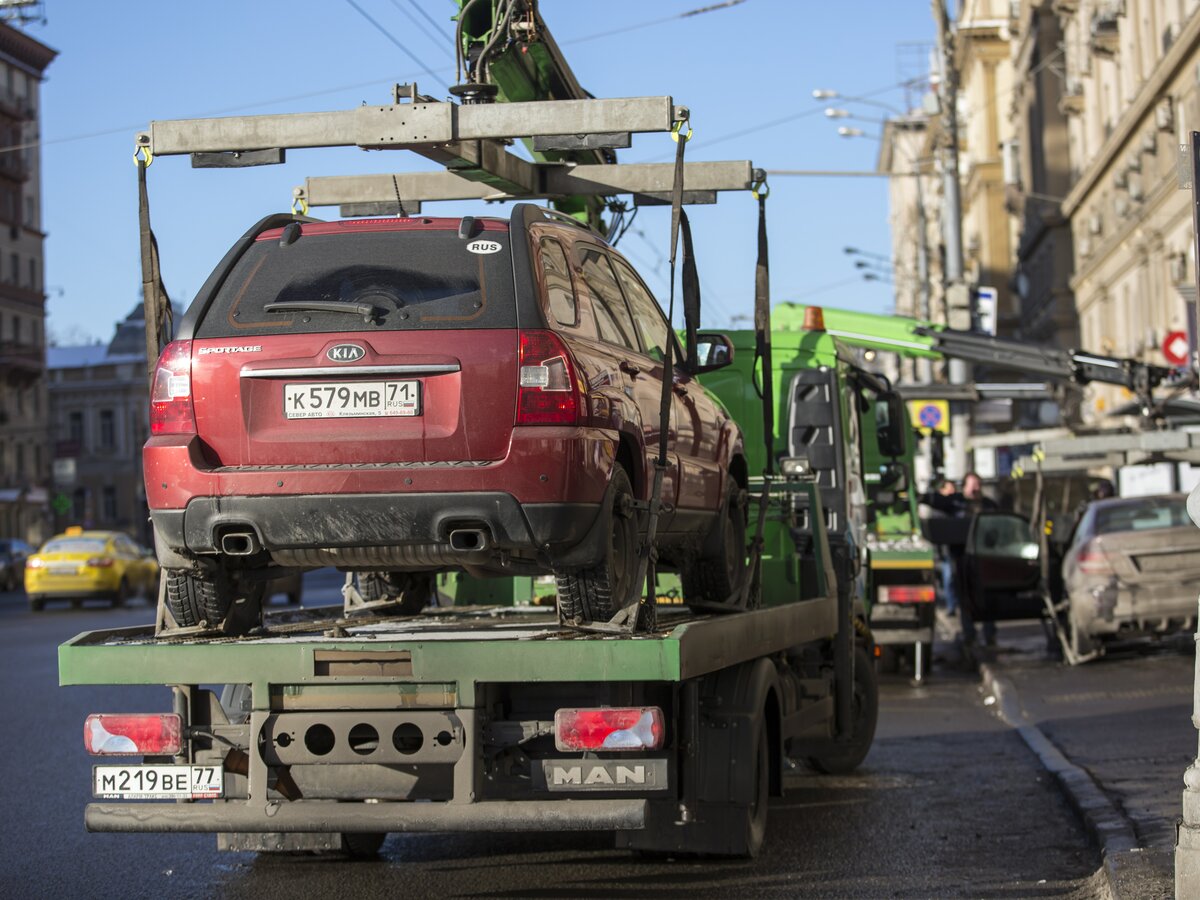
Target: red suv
396	397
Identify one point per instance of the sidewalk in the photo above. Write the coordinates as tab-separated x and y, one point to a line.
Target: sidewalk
1117	736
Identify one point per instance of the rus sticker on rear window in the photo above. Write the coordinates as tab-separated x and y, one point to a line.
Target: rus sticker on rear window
484	247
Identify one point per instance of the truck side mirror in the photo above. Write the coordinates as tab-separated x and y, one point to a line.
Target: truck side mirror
713	351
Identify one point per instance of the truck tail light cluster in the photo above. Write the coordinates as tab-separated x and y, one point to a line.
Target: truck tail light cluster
633	728
906	593
171	409
548	393
109	734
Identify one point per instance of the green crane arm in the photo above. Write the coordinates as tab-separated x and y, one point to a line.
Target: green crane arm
505	45
915	338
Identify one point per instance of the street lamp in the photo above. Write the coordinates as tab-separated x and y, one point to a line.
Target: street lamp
830	94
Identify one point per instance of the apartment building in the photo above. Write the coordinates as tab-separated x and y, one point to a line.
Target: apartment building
1131	76
24	438
100	419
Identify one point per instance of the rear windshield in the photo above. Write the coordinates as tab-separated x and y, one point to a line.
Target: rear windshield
1143	515
74	545
392	281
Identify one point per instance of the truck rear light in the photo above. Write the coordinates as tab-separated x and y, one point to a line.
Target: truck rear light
1092	561
906	593
157	734
547	393
100	562
171	409
635	728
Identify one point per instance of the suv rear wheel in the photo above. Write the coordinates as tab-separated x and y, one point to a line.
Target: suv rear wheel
198	599
721	571
594	594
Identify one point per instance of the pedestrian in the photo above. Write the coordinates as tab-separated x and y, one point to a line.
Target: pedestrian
945	561
964	505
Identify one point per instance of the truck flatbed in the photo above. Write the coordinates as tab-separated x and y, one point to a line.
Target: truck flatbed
460	645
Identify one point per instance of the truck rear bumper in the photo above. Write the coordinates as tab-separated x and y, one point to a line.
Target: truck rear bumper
331	816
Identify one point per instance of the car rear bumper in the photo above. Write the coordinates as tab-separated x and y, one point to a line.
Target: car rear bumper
387	531
1100	607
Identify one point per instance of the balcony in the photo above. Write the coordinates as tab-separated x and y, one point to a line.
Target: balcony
21	363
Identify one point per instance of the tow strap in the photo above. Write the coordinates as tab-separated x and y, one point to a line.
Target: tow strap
155	302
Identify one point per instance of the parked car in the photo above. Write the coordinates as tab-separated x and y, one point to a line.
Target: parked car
13	554
80	564
1132	565
398	397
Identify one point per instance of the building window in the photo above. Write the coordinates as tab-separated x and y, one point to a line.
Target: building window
75	429
79	505
109	500
108	430
33	282
20	468
16	268
16	329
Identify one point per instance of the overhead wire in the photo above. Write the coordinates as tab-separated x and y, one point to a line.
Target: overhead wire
638	25
440	28
391	37
424	29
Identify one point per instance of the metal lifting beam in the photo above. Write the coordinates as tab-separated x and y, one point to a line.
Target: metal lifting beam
541	180
410	125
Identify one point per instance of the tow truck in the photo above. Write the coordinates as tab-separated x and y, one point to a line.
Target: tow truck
337	726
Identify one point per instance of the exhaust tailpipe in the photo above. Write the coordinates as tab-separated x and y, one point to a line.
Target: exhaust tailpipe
466	539
239	543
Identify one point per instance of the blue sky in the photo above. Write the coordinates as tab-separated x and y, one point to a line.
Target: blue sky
738	69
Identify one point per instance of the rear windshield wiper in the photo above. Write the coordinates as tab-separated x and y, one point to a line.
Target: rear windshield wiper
369	311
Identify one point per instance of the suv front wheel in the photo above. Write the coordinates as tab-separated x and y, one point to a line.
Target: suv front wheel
595	594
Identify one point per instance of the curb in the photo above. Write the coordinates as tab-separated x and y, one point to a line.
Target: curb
1103	821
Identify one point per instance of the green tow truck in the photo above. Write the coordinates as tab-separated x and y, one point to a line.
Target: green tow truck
855	432
338	726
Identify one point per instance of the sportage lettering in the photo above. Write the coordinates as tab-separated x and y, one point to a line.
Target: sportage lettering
250	348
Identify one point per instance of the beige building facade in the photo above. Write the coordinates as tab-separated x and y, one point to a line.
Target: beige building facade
1131	72
24	410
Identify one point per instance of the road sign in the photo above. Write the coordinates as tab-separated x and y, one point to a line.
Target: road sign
1175	348
930	415
985	308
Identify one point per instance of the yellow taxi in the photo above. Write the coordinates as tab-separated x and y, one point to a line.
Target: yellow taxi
78	564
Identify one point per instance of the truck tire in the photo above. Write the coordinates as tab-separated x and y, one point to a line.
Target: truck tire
594	594
752	824
412	591
720	572
850	755
194	599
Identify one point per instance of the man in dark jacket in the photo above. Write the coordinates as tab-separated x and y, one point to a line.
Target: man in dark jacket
964	505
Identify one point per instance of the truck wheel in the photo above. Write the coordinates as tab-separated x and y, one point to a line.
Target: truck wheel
192	599
411	590
865	706
362	845
720	572
604	588
754	827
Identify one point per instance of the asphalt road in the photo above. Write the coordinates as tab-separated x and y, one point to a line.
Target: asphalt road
949	803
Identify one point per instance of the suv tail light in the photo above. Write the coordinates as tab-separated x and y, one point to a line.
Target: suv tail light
171	410
157	734
906	593
635	728
547	393
1092	561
